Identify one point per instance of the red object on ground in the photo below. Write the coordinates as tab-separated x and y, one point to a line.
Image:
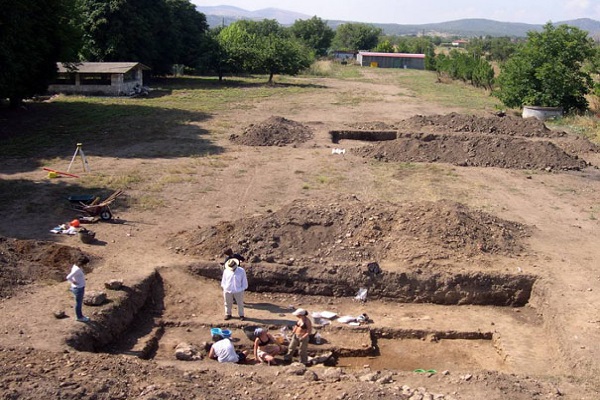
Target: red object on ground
59	172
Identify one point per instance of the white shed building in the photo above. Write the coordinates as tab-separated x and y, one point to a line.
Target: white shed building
104	78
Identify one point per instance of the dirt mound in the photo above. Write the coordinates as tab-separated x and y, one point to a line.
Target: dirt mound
274	131
372	126
351	232
493	124
23	262
474	151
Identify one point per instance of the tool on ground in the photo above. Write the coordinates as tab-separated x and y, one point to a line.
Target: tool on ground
97	208
59	172
84	161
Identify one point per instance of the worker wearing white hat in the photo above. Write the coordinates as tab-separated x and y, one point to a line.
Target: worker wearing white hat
234	282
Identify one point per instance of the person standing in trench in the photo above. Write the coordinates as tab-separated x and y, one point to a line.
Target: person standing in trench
234	282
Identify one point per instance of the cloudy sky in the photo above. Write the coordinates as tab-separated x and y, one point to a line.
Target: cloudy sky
427	11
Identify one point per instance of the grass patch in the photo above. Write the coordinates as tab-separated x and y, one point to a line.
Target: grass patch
128	181
425	85
331	69
148	202
584	125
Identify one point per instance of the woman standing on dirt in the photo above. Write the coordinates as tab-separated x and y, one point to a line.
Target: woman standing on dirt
300	335
77	279
265	346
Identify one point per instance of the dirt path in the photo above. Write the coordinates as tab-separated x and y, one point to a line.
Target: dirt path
347	206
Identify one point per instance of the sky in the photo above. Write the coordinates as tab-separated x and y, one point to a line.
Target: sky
427	11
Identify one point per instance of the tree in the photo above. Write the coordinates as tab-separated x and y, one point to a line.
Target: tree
353	37
189	32
548	70
34	36
158	33
314	33
262	47
385	47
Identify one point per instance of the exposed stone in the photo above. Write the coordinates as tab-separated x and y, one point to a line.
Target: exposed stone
114	284
94	298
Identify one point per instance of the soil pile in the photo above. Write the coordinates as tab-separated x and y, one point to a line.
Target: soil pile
24	262
350	232
464	140
493	124
274	131
474	150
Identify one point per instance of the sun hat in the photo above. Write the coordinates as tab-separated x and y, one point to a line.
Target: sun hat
258	332
232	263
300	311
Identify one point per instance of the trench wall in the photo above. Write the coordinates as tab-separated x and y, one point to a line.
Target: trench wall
438	288
116	318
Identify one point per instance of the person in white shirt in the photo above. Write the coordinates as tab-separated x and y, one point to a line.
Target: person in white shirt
223	351
234	283
77	279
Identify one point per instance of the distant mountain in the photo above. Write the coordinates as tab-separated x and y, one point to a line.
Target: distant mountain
225	15
235	13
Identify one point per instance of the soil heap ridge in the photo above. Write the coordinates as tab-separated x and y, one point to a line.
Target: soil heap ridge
474	150
274	131
23	262
350	232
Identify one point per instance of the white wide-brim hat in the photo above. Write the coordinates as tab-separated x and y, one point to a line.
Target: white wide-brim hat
232	263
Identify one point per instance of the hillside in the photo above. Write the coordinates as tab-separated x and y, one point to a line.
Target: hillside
463	27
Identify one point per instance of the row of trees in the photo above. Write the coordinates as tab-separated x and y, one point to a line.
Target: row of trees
36	34
552	68
549	68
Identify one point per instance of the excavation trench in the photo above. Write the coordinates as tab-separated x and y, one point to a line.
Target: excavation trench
475	288
135	323
367	136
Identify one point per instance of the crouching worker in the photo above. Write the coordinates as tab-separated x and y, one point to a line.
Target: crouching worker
223	351
266	347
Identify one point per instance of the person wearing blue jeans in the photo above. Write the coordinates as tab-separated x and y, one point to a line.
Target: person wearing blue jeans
77	279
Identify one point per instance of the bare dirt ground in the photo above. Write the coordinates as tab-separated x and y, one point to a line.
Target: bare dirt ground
484	228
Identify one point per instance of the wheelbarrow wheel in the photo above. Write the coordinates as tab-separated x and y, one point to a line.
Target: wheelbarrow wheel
105	215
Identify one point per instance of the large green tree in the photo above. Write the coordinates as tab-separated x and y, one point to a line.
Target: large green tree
189	34
314	33
158	33
34	36
262	47
355	37
548	70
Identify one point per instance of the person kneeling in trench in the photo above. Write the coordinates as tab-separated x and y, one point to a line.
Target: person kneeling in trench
223	351
266	347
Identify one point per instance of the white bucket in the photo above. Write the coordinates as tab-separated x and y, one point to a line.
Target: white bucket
542	113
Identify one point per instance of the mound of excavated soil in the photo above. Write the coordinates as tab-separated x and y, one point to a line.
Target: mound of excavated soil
493	124
503	127
23	262
275	131
348	231
474	151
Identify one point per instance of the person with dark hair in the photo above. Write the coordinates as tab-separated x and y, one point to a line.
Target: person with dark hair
300	335
265	346
234	282
77	279
228	253
223	351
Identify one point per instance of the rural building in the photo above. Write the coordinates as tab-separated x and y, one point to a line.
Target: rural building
104	78
391	60
341	55
460	43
